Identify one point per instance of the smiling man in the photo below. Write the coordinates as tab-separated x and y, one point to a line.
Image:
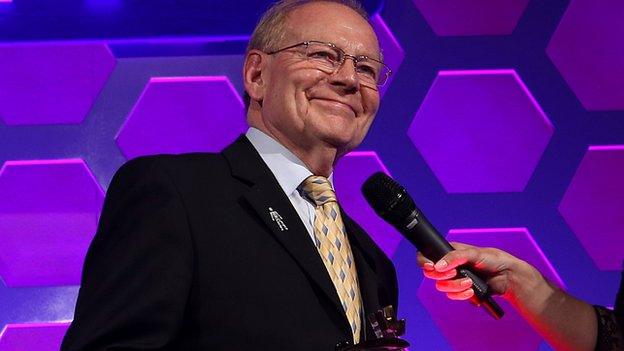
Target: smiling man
307	93
248	249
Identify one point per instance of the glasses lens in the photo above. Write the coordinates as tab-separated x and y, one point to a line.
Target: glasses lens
368	70
384	74
324	56
329	58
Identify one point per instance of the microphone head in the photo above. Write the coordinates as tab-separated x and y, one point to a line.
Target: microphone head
388	198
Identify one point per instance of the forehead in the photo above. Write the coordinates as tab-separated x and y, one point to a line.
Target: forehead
334	23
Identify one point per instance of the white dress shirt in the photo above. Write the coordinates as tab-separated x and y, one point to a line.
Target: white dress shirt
289	171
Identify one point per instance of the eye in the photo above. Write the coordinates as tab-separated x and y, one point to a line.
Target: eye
319	54
322	54
367	70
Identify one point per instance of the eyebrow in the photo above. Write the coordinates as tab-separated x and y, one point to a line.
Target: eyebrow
378	56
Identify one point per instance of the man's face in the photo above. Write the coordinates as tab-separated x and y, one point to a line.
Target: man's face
304	107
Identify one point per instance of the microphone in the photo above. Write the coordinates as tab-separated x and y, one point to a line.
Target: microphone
392	203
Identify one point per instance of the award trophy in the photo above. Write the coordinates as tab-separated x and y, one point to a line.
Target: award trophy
387	330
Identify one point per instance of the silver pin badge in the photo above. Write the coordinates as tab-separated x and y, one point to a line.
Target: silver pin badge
277	218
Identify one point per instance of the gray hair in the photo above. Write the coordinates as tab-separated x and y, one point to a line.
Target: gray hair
271	29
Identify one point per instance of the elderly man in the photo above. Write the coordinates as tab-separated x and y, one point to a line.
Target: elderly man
248	249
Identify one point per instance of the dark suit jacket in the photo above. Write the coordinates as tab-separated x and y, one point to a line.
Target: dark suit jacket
187	257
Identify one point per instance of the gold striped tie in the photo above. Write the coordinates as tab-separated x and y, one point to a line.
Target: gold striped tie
333	245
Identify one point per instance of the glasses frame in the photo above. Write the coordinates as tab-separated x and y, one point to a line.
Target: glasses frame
344	55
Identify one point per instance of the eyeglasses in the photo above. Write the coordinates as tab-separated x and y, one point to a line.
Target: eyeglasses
328	58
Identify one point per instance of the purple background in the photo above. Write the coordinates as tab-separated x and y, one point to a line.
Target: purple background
501	121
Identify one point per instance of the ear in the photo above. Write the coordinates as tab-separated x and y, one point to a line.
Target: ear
255	61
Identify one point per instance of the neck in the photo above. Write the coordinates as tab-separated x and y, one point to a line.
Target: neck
319	159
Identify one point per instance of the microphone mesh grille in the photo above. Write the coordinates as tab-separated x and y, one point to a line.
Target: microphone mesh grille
388	198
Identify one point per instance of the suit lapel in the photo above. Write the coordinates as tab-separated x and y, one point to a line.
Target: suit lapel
269	202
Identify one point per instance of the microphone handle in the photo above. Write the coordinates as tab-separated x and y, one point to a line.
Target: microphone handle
434	246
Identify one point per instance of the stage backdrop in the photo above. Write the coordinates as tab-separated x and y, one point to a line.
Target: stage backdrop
504	120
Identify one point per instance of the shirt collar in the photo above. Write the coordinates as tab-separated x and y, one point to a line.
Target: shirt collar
287	168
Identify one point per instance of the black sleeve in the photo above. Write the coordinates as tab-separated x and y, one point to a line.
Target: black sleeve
611	324
619	305
609	336
138	270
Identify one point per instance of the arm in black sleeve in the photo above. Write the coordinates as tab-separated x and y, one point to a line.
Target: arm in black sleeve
609	337
611	324
138	270
619	304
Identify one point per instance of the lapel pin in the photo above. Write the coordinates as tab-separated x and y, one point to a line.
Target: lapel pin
277	218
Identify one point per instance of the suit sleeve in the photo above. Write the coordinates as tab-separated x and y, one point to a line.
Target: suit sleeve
138	270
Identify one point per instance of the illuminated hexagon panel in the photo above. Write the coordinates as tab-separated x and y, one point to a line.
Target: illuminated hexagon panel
480	131
48	216
475	17
183	114
469	328
593	205
51	83
393	53
33	336
587	48
350	174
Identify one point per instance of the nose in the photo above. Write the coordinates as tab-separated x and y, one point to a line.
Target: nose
346	75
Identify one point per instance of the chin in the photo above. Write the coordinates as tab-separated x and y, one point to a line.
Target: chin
343	143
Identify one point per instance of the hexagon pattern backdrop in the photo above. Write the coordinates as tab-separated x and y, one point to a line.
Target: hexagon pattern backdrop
504	119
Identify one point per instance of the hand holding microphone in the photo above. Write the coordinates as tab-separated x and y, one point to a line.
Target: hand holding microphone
391	202
501	271
566	322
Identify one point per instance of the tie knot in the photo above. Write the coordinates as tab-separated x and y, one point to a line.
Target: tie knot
318	189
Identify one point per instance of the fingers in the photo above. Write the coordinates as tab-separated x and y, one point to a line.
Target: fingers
456	289
430	272
448	262
423	261
494	265
435	275
445	274
464	295
462	254
487	260
454	285
443	264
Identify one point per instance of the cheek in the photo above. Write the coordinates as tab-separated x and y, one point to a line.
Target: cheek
370	102
364	126
304	86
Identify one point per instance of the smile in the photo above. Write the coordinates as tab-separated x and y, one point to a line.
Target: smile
336	105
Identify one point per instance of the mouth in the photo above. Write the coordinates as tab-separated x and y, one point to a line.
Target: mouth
338	105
